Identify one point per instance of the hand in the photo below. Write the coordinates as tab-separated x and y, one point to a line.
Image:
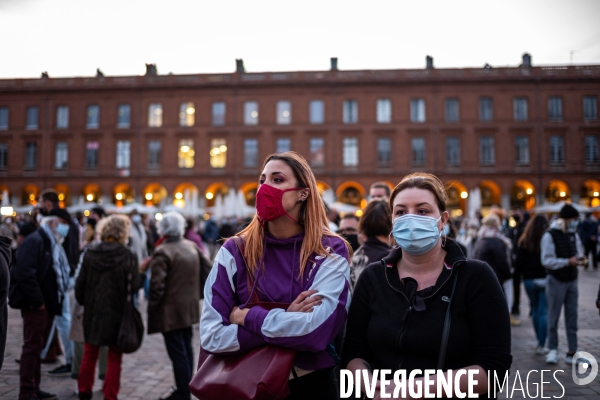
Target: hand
42	307
573	261
145	264
238	316
305	302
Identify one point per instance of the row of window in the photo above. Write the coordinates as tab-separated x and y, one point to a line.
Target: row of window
350	148
187	112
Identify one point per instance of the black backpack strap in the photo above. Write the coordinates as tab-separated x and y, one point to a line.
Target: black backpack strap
446	331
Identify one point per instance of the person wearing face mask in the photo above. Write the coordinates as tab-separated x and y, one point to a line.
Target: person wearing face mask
39	282
348	229
403	304
286	255
561	253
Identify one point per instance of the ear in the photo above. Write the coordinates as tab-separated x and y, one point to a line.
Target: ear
445	218
303	194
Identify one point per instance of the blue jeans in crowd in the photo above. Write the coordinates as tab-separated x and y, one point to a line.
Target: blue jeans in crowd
181	353
539	309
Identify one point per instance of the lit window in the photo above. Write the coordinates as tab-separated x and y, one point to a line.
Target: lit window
520	108
557	150
62	117
3	156
218	113
154	153
522	150
155	113
283	145
250	153
590	108
218	153
123	154
350	111
93	117
124	116
31	155
316	112
452	151
384	111
251	113
284	113
418	151
451	110
350	152
187	113
486	109
487	155
32	117
3	118
317	152
186	153
591	149
384	152
555	108
417	110
91	155
62	155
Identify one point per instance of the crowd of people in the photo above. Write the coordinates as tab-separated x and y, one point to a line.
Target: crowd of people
375	291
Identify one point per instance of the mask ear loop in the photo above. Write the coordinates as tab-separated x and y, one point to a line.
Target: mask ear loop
397	246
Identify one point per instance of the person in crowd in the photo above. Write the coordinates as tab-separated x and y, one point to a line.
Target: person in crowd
375	225
192	235
348	229
396	317
39	284
5	260
379	191
501	214
151	233
292	257
211	235
174	297
528	263
561	254
10	230
514	233
467	235
96	214
82	225
588	232
333	217
102	290
137	236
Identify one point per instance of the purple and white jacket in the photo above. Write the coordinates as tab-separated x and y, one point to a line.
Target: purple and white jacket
308	333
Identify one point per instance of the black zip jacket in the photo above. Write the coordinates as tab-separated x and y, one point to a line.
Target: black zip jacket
5	258
392	326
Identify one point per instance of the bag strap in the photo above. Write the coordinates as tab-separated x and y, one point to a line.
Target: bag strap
446	331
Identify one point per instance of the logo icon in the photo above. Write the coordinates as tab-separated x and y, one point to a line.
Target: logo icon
583	363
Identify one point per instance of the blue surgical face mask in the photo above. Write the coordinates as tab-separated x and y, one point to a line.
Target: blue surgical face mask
573	225
416	234
62	229
462	231
136	218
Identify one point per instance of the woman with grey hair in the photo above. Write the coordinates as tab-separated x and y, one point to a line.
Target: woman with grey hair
178	271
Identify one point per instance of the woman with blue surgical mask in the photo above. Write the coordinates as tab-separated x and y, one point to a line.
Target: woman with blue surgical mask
426	306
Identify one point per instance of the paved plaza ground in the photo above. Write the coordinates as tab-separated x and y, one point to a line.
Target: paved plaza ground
147	374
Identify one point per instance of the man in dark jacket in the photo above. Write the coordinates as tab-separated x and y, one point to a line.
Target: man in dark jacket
514	234
588	232
39	284
5	258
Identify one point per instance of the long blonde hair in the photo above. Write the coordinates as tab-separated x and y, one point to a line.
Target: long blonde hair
315	226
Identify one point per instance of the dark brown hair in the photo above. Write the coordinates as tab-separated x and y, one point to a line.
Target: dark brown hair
532	235
376	219
381	185
422	180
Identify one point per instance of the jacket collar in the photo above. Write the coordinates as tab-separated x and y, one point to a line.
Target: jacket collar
454	254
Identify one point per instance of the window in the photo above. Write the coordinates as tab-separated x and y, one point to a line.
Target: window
486	109
32	118
317	152
520	108
487	155
3	118
284	113
350	154
384	152
62	155
62	117
91	155
591	149
522	150
417	110
93	117
317	112
154	153
451	110
250	153
31	155
3	156
384	111
418	151
218	113
590	108
186	153
218	153
123	154
284	144
124	116
155	113
187	113
557	150
350	111
555	108
452	151
251	113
